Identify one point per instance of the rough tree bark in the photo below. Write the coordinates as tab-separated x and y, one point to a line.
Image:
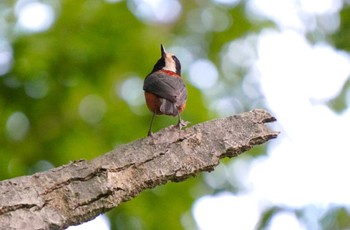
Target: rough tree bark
81	190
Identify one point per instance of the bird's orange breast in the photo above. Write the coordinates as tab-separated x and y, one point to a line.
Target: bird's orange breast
153	102
181	107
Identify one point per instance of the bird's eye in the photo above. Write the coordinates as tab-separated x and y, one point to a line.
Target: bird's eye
175	58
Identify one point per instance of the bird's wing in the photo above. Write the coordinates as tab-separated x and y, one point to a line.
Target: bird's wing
170	88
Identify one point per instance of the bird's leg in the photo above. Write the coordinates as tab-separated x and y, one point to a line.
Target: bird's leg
180	122
150	126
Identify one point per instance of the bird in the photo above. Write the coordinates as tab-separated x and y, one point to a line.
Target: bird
164	89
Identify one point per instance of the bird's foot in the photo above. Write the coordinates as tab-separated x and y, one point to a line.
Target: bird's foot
150	134
182	123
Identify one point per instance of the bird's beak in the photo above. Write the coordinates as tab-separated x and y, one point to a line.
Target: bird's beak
163	51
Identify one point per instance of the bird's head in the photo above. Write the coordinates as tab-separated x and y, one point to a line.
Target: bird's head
168	61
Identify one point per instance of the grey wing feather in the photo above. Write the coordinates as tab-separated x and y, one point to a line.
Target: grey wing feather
182	97
169	88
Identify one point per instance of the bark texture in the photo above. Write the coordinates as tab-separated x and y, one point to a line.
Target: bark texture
81	190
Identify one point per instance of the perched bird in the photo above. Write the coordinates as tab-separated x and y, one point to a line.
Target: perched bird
165	91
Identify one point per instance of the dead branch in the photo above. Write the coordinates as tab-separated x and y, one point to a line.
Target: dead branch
81	190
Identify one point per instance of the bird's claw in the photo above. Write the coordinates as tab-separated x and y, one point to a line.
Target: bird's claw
182	123
150	134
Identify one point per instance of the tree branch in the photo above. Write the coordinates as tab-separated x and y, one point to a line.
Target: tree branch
81	190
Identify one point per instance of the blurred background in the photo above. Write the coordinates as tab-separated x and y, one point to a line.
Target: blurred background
71	76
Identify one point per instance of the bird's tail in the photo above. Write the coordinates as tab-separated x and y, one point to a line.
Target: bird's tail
168	108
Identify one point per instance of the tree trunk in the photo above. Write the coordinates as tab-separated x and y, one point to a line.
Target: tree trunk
81	190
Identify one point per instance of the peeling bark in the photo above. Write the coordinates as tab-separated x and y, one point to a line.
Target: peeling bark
81	190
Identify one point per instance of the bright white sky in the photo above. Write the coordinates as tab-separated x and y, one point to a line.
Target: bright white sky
308	163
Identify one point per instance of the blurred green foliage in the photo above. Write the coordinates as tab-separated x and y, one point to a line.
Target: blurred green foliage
92	48
87	55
